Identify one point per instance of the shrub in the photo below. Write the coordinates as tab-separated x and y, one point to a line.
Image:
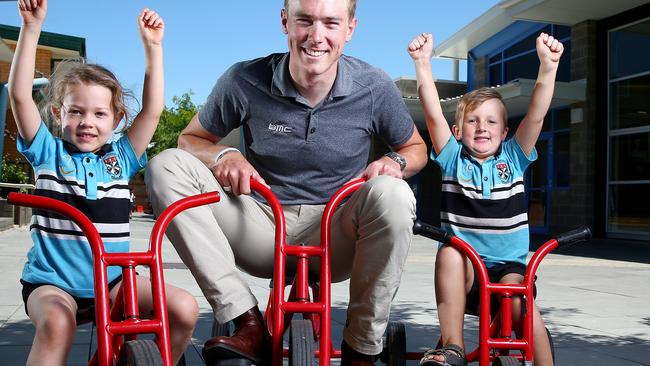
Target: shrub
12	172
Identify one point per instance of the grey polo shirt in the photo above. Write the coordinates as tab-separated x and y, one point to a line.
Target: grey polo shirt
305	154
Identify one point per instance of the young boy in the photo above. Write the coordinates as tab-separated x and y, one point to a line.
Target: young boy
483	198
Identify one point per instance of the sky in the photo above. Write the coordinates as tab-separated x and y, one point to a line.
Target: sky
204	38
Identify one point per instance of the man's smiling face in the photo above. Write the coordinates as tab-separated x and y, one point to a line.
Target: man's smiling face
317	31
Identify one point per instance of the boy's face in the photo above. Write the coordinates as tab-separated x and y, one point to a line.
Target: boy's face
87	116
483	129
317	31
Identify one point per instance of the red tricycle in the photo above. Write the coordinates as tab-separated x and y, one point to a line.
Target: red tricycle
119	325
495	335
315	307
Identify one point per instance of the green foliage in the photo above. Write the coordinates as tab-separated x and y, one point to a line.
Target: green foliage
12	172
172	121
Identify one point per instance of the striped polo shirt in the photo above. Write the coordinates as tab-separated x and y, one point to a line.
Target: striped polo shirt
96	184
485	204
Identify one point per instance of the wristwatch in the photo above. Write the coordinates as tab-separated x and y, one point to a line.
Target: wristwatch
399	159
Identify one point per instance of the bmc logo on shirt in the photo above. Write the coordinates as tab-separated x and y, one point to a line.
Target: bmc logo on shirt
280	128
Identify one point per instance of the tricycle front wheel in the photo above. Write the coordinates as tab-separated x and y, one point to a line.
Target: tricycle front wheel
301	348
141	352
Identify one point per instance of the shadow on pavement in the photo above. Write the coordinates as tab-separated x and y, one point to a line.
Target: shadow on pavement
571	347
611	249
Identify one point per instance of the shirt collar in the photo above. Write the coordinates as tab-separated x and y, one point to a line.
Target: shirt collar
283	84
464	153
101	152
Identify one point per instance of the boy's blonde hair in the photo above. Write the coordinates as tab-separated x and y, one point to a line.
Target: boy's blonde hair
76	71
470	101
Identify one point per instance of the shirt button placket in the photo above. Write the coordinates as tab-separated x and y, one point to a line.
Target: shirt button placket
486	188
91	177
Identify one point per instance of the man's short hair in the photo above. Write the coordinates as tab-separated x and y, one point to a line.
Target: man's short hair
352	7
470	101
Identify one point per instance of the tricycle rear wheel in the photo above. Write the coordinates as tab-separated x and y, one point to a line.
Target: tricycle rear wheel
394	353
220	330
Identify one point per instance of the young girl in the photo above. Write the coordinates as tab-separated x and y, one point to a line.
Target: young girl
92	174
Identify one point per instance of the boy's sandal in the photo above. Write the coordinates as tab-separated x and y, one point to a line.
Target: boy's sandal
453	354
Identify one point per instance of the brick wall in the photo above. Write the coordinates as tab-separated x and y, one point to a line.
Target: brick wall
480	72
575	207
139	189
43	65
4	71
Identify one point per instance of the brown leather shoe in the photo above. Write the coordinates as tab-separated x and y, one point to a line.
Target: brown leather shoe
250	340
351	357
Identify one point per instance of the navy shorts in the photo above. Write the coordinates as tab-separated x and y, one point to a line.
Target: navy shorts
83	303
495	274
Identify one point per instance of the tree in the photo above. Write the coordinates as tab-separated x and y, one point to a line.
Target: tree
172	121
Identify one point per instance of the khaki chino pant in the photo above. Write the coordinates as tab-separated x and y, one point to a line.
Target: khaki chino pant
371	236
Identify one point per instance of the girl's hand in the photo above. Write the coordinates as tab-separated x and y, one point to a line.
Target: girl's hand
151	27
32	12
421	47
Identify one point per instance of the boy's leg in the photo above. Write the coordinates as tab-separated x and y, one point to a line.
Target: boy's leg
542	347
182	309
52	311
542	350
453	279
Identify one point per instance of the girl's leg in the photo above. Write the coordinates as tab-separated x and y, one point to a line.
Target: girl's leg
542	350
182	309
52	311
453	279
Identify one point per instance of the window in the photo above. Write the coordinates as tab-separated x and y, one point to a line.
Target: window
519	60
628	154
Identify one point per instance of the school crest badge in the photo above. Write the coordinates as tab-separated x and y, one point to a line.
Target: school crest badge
503	171
112	166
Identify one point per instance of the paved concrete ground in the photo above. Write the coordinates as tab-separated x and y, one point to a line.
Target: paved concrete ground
595	299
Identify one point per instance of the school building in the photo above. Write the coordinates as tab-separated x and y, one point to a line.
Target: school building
594	151
52	49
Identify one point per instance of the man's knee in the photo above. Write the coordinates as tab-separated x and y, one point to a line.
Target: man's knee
165	161
390	201
392	195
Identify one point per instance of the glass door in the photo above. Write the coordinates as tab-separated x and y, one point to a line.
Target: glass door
628	169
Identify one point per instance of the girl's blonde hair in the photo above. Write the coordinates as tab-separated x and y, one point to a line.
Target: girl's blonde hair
470	101
75	72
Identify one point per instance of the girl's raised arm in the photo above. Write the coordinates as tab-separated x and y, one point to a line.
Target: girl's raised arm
151	27
21	75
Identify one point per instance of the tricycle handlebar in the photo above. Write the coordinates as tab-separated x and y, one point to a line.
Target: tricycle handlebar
431	232
573	236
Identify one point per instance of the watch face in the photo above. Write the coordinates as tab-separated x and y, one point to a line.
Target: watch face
399	159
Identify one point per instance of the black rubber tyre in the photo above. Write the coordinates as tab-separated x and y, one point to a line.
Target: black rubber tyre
301	346
395	350
506	361
141	352
219	329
